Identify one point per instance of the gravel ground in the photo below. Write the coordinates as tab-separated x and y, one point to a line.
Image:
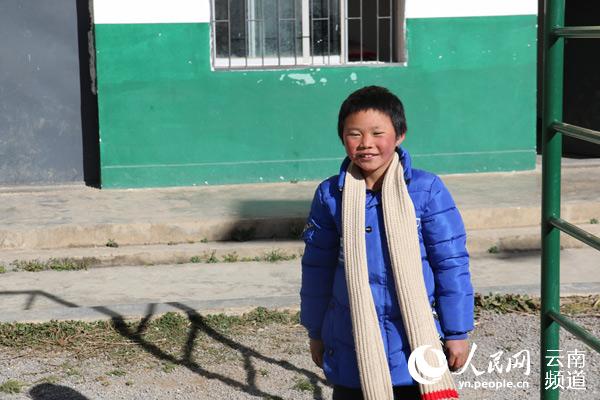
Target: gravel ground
273	363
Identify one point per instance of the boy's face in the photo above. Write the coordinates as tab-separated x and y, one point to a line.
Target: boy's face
370	141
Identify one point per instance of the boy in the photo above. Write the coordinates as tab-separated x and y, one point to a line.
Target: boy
385	268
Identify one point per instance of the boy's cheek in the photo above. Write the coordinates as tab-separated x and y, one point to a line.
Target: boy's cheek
350	148
350	154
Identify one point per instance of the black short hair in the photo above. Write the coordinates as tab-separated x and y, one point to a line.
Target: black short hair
373	98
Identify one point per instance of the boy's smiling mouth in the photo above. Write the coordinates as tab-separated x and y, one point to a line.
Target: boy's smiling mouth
367	156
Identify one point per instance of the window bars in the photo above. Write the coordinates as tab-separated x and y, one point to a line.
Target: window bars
282	33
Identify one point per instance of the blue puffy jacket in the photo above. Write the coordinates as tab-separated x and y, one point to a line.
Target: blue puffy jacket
325	308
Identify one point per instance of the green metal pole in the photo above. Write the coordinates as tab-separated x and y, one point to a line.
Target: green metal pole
551	158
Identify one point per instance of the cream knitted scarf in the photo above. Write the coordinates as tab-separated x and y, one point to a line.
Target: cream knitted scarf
405	255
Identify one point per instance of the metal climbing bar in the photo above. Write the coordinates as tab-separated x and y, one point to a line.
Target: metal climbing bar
578	32
576	330
576	232
577	132
554	33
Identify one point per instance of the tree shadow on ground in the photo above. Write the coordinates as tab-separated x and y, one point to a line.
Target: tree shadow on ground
49	391
198	326
32	295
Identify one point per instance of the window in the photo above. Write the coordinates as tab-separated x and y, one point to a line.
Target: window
272	33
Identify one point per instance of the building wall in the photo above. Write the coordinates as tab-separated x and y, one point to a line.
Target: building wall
167	118
581	101
44	108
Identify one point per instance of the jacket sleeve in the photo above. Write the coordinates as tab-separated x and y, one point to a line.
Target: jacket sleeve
445	238
318	265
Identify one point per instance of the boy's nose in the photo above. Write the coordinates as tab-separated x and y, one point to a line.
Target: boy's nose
365	143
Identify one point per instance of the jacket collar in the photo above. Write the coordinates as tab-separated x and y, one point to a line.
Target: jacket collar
405	160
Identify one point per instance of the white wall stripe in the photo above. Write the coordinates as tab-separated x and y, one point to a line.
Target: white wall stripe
190	11
223	163
469	8
151	11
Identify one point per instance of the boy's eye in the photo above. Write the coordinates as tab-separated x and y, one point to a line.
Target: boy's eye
378	133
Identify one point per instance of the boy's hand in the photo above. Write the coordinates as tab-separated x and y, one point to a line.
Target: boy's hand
457	352
316	351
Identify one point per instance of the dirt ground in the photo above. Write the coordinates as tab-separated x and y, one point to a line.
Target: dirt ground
272	362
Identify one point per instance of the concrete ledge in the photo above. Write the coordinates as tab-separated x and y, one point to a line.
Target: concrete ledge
227	229
517	217
520	239
78	235
157	254
479	241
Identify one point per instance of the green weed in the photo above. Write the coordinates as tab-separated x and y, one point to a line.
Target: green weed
116	372
54	264
230	257
168	367
274	255
2	269
70	370
62	334
204	240
88	339
29	265
67	264
494	250
52	379
263	316
302	384
255	258
574	305
211	258
12	386
504	303
278	255
112	243
259	317
594	221
170	323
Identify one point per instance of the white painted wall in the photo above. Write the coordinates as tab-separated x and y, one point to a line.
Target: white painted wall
151	11
469	8
193	11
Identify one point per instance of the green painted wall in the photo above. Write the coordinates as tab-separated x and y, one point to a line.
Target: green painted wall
166	119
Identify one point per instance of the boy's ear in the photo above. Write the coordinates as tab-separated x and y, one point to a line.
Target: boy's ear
400	139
